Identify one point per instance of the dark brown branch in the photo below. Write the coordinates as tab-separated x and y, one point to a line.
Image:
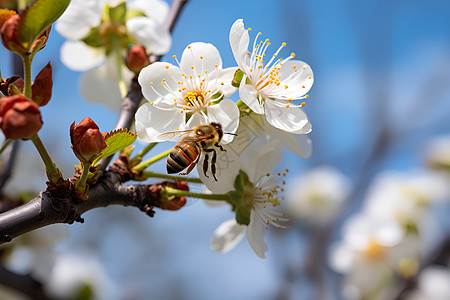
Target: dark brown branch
25	284
49	208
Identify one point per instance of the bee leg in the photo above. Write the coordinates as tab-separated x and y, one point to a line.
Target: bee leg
220	147
205	164
213	164
191	167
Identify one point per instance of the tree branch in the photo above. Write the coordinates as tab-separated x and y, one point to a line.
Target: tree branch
25	284
52	207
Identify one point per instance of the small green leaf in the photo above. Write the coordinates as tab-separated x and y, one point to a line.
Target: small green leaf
39	15
118	12
241	181
238	75
116	141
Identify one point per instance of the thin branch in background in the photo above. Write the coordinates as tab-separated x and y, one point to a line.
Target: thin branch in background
25	284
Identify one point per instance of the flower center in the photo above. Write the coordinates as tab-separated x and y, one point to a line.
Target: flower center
195	100
374	251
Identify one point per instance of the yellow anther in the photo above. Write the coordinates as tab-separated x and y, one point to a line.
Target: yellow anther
309	77
189	47
303	104
295	67
201	57
306	96
151	103
192	67
222	83
293	54
268	43
248	53
174	56
287	105
206	72
286	86
268	222
267	174
249	29
151	83
259	33
215	66
167	67
303	86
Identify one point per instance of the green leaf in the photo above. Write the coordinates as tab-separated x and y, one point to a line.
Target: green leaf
116	141
241	198
39	15
118	12
242	215
238	75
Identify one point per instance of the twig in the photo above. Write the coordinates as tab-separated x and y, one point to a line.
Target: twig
25	284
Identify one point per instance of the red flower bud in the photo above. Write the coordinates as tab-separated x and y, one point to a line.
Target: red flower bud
9	31
87	140
7	83
41	90
137	59
20	118
173	203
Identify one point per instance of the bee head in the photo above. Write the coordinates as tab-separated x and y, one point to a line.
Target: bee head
218	128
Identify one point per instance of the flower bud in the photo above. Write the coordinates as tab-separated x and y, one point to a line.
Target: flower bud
87	140
20	118
9	33
172	202
137	59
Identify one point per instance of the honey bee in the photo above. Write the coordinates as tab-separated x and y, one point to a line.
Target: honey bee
191	143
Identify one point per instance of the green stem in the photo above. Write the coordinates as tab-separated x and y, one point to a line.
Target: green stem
146	150
53	173
80	185
27	59
119	62
240	104
143	165
178	193
149	174
5	145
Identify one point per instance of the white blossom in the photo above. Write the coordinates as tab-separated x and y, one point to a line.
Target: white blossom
272	88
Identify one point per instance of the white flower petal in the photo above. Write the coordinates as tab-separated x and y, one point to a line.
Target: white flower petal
77	56
249	96
270	154
225	76
79	17
300	145
299	79
227	114
196	120
155	37
153	9
152	121
255	234
227	236
202	56
100	85
239	40
153	75
291	119
227	168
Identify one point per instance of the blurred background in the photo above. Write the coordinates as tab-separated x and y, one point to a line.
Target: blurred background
379	107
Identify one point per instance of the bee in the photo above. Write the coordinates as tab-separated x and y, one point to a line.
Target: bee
191	143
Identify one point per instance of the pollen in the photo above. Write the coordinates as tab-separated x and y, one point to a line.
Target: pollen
304	68
286	86
293	54
151	83
192	67
303	104
248	53
222	83
174	56
267	174
189	47
303	86
309	77
283	44
167	67
151	103
306	96
201	57
249	29
287	105
259	33
215	66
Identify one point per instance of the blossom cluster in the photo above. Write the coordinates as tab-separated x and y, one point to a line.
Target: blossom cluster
195	91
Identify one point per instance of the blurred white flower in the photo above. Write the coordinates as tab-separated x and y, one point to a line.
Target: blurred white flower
317	196
433	283
371	252
438	152
176	92
405	197
270	89
91	44
258	193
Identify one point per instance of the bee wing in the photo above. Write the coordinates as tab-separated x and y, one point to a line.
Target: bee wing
175	136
